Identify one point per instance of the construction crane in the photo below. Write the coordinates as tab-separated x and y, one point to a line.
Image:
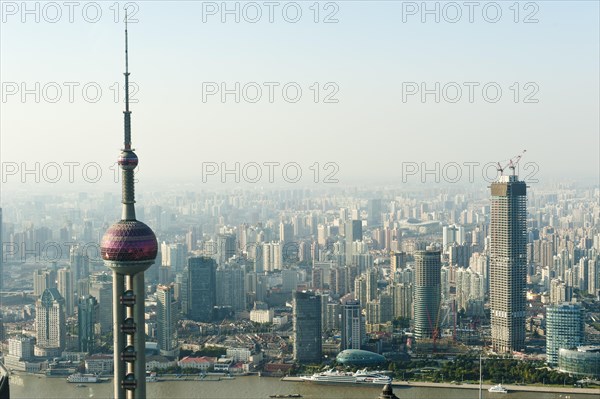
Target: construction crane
512	163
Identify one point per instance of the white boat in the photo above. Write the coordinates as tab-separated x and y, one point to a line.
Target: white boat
372	377
81	378
360	377
498	389
151	376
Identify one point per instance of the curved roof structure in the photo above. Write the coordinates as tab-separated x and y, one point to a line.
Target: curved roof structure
358	357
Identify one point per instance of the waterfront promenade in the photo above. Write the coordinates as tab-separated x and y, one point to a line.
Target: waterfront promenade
510	388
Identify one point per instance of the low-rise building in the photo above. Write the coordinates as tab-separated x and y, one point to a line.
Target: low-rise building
157	362
203	363
223	364
261	316
99	364
239	354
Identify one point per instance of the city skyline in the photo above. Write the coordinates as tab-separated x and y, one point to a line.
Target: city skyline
336	197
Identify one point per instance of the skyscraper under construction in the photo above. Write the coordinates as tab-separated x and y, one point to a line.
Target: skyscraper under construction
508	263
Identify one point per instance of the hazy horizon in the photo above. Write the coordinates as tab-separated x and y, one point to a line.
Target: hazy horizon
369	61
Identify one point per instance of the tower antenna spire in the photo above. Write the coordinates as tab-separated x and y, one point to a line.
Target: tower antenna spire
127	112
128	160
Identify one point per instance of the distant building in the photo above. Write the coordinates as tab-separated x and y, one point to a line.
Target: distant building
397	262
50	323
402	297
307	327
166	319
43	279
261	316
353	326
203	363
564	329
230	287
202	288
65	287
427	293
226	247
87	316
100	364
101	288
560	292
21	347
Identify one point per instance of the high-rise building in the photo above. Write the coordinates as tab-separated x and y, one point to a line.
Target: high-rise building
508	263
356	232
88	311
50	323
65	287
397	262
286	233
21	347
173	256
371	284
230	287
593	280
427	293
353	233
226	246
353	326
559	291
43	279
79	264
565	325
202	288
289	280
386	308
128	248
307	327
360	290
272	256
102	290
166	319
374	212
334	312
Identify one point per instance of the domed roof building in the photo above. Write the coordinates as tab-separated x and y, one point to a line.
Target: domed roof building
359	357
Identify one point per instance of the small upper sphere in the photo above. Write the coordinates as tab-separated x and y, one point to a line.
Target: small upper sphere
129	240
128	160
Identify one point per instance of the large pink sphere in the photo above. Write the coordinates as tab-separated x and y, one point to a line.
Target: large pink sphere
129	240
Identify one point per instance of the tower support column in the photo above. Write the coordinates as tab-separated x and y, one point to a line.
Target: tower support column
118	337
140	335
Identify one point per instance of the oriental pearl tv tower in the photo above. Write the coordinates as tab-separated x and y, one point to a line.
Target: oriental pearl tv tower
128	247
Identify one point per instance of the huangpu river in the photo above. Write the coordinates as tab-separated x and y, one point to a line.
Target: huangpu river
250	387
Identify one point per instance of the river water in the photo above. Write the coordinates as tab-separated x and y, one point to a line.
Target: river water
251	387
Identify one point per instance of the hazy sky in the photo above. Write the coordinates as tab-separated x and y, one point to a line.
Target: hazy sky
370	58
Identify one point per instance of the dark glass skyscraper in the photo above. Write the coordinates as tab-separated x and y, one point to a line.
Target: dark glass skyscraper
87	317
508	263
202	288
128	248
307	327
